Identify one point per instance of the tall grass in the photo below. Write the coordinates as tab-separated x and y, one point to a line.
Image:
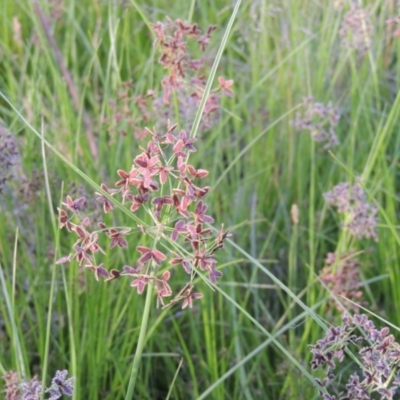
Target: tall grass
248	338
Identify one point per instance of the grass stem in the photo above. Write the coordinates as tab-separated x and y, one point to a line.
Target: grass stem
140	344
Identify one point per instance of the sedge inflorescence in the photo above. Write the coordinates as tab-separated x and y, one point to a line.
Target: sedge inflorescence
357	30
375	351
163	183
360	216
182	48
31	389
319	120
184	84
341	275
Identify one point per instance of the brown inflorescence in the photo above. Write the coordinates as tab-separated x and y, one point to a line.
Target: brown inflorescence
11	386
341	275
162	182
182	86
185	81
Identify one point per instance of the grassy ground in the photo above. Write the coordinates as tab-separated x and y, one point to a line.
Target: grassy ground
248	338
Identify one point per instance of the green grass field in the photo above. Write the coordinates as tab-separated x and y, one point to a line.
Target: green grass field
79	83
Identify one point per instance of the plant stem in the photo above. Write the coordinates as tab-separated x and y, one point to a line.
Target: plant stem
140	344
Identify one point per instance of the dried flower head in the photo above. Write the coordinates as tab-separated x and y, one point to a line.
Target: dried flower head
319	120
377	353
341	275
294	213
356	30
17	32
11	386
162	183
360	217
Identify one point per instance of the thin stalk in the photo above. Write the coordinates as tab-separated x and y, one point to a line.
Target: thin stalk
292	273
191	11
12	316
140	344
54	268
174	380
207	89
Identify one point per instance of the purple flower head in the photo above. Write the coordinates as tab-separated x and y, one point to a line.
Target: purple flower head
60	386
31	389
200	213
149	254
140	283
378	369
102	199
319	120
98	270
74	205
356	30
361	220
117	238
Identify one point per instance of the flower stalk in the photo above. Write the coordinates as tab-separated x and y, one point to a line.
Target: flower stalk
140	345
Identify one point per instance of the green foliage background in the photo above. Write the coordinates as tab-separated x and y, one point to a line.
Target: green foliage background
278	52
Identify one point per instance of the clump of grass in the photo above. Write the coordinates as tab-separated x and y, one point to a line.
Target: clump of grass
260	167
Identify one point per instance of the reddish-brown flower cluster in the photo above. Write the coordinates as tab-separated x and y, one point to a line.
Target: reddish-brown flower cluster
357	30
162	182
12	389
341	275
185	79
182	86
